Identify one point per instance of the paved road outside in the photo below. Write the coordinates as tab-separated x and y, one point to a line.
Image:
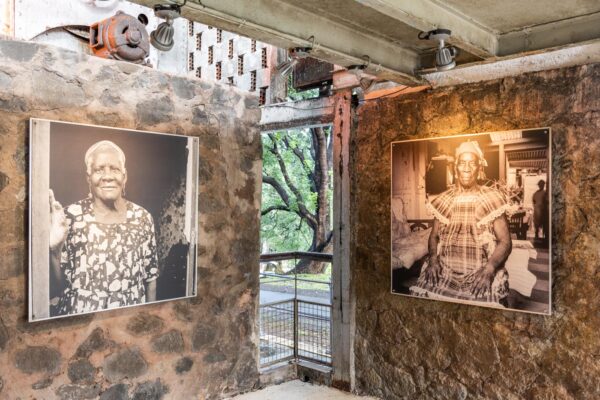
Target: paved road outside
272	293
269	297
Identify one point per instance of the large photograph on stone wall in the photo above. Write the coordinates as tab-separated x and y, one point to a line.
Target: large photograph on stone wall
112	218
470	219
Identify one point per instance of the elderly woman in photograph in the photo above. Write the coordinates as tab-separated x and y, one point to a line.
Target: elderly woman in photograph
470	239
102	248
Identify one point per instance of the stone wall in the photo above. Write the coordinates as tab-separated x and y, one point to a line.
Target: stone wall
409	348
202	348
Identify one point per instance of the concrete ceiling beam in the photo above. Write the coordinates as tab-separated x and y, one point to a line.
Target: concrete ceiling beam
284	25
586	53
551	35
426	15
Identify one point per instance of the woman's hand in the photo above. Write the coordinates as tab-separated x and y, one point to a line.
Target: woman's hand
58	224
433	271
482	280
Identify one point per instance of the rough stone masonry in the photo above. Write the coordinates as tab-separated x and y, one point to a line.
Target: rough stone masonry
418	349
202	348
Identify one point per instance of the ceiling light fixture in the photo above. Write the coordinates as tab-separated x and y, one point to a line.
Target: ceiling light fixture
162	37
445	55
365	80
357	69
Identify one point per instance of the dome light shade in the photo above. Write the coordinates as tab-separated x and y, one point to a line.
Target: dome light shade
444	55
162	37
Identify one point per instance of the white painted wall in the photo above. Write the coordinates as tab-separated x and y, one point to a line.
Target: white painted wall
34	19
242	46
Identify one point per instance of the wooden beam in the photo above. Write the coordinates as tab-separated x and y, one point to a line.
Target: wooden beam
343	79
303	113
343	312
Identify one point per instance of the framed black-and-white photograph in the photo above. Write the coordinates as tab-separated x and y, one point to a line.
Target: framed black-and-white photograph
113	218
470	219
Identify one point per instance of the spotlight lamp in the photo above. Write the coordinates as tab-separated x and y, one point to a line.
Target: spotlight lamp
162	37
365	80
358	69
444	55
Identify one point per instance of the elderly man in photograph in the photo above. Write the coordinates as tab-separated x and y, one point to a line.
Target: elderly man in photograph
470	239
102	248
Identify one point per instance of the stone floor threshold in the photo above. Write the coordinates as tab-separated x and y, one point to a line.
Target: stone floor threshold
298	390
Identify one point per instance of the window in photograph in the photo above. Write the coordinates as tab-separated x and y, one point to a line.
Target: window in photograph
219	35
230	49
211	52
199	72
190	28
253	45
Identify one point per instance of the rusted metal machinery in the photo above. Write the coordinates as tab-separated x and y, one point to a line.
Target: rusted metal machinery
120	37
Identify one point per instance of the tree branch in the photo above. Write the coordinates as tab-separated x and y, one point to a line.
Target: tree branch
300	156
275	208
310	218
322	172
278	188
325	243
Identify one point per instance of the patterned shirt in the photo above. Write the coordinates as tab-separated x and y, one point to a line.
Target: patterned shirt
106	265
466	241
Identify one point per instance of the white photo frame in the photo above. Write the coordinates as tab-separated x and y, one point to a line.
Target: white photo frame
160	197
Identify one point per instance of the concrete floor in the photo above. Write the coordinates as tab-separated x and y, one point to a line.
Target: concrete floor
298	390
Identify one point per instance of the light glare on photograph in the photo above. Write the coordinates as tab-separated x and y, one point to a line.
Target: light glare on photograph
470	219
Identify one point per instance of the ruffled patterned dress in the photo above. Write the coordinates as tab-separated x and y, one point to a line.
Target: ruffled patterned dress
106	265
466	241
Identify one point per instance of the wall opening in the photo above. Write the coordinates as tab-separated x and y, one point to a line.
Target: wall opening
240	66
191	61
199	41
296	245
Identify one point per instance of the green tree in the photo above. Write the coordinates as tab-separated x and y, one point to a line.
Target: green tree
297	190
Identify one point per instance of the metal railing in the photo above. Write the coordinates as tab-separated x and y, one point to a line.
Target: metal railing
295	315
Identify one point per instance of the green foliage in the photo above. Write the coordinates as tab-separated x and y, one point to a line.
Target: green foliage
285	230
295	95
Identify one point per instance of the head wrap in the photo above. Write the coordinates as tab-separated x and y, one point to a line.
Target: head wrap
471	147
